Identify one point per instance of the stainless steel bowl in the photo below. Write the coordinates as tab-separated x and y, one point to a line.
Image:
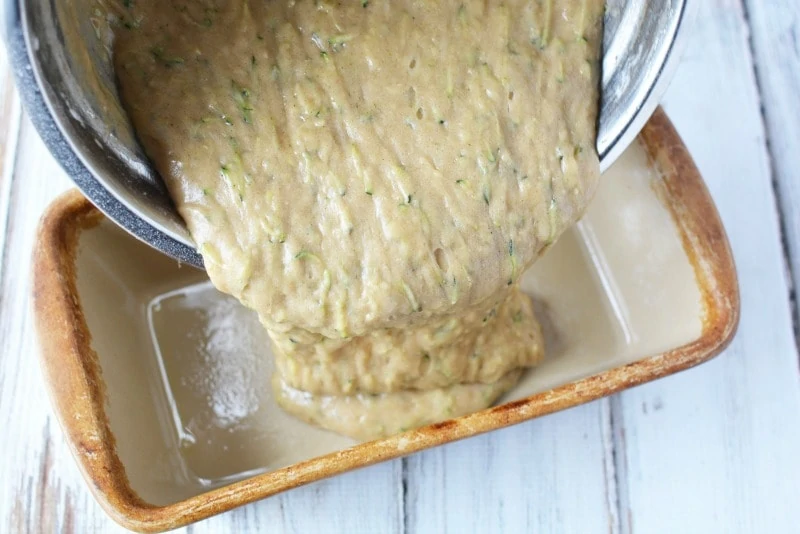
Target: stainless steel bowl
61	53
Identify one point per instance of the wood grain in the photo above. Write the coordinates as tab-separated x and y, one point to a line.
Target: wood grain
10	112
775	39
547	475
715	449
711	450
368	501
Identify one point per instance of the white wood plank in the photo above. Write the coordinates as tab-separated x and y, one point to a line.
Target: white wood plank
10	111
711	450
368	501
547	475
715	449
775	27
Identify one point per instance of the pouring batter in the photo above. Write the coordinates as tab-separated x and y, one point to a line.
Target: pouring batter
362	170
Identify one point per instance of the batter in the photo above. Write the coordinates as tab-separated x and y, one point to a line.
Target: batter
359	171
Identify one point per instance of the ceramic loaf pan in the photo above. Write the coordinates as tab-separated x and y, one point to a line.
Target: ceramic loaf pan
161	384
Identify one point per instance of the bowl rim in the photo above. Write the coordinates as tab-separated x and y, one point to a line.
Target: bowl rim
37	99
73	376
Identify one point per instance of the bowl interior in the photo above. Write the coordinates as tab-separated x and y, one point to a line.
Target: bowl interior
186	368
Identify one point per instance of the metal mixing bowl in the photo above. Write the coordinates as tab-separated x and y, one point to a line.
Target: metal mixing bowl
61	58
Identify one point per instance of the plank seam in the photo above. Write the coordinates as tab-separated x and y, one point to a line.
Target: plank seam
7	194
404	508
8	170
617	463
792	277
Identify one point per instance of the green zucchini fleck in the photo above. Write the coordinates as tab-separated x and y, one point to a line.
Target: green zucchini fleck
552	212
513	258
412	299
339	39
241	95
169	61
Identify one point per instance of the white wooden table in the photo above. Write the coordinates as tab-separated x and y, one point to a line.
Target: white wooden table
713	450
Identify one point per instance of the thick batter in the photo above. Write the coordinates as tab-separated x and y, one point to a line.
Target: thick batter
364	416
473	348
364	168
